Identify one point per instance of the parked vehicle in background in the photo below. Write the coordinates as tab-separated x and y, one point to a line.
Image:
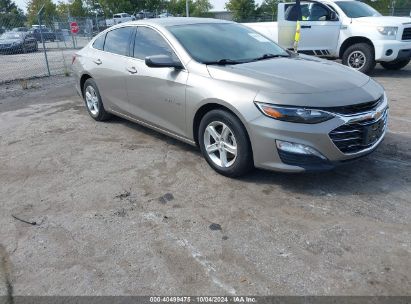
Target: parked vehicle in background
350	30
46	33
122	17
145	15
165	15
20	29
239	96
119	18
109	22
17	42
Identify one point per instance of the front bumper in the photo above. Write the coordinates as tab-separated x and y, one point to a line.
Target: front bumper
390	50
10	49
266	131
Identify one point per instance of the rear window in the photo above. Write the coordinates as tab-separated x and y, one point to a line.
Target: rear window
99	42
118	40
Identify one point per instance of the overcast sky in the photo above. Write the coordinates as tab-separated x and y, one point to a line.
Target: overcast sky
217	4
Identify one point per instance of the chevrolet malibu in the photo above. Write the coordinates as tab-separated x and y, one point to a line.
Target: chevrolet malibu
245	101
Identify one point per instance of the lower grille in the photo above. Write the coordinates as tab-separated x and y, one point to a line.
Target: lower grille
308	162
406	34
358	136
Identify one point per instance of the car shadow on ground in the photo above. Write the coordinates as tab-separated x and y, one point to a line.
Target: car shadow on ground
381	72
155	134
386	170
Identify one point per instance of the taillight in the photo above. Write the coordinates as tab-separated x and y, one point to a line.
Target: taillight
74	59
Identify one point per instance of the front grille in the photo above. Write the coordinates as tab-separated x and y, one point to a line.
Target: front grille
358	136
406	34
356	108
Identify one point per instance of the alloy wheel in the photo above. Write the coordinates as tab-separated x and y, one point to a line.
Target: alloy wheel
220	144
92	100
357	60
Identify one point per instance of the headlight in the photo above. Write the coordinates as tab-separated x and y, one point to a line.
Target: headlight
298	115
389	31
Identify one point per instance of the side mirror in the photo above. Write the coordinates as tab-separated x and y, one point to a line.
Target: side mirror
333	16
162	61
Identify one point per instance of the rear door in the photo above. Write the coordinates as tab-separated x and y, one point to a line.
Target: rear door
320	28
156	95
108	66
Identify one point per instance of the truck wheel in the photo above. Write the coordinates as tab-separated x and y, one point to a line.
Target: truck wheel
396	64
359	56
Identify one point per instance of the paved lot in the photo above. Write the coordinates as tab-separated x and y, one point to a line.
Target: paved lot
120	209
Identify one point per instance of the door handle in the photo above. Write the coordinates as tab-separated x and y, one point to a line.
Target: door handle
98	61
305	26
132	70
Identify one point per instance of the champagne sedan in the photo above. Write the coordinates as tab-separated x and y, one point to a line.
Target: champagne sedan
241	98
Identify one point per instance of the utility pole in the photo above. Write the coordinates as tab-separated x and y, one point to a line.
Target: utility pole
393	7
187	9
39	15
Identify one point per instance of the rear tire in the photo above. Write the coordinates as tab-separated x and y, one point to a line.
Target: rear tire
224	143
360	56
93	101
396	64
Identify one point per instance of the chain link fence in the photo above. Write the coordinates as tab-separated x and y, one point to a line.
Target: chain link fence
42	49
47	49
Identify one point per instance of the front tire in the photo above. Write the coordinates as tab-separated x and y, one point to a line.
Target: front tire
360	56
224	143
93	101
396	64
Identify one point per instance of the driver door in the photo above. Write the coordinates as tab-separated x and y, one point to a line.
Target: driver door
156	95
320	28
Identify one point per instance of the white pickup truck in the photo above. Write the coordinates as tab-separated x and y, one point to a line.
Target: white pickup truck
346	29
120	18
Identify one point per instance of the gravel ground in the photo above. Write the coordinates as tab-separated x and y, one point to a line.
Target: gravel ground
23	66
122	210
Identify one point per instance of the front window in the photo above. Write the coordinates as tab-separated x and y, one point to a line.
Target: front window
148	43
224	42
356	9
309	12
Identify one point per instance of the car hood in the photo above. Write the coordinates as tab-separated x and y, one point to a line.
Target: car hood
9	41
297	75
383	20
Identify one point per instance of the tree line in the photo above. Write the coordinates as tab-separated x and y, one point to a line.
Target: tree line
242	10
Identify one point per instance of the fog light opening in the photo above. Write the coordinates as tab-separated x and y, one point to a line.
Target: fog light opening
388	52
297	148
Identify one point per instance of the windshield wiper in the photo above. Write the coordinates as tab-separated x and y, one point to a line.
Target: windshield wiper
224	62
269	56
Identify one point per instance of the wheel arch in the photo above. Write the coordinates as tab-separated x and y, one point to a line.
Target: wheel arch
213	105
83	80
353	40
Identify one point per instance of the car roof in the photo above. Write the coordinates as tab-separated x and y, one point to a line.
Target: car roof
176	21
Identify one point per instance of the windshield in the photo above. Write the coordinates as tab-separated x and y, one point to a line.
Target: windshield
11	35
356	9
227	43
